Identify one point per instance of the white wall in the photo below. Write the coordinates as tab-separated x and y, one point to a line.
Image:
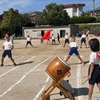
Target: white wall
74	11
36	33
69	11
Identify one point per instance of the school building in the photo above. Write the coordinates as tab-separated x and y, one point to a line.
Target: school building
74	9
37	32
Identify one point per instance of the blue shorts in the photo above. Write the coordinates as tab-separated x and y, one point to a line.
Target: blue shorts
95	78
7	52
73	50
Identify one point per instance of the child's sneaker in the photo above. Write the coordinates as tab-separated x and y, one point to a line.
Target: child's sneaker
1	65
83	64
15	64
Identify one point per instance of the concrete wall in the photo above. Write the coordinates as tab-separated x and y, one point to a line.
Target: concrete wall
38	31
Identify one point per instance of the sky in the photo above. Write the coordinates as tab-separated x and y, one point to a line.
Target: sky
24	6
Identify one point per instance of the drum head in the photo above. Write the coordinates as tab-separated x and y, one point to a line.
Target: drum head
64	62
57	69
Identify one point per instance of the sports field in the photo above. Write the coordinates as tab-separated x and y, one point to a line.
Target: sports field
28	79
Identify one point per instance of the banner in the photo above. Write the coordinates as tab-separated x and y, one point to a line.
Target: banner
46	35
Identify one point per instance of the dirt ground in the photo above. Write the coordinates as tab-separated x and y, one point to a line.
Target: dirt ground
28	79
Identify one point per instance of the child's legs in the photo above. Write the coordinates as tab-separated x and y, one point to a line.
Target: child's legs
52	41
85	42
90	91
12	60
69	55
66	59
98	85
31	44
2	60
80	58
26	44
81	42
77	54
65	42
10	56
3	56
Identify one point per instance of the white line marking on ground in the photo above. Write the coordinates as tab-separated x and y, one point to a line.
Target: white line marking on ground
10	88
39	92
46	80
79	81
39	70
42	88
14	68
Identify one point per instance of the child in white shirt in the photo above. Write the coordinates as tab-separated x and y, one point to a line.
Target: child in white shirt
73	49
83	40
94	66
53	39
7	46
28	39
66	39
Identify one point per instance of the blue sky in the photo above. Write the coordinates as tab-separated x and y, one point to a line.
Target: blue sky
24	6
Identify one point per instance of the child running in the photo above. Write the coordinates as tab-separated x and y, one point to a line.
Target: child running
73	49
94	66
7	46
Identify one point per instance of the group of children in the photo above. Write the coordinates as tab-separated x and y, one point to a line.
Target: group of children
94	59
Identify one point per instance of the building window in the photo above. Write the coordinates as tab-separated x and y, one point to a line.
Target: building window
74	11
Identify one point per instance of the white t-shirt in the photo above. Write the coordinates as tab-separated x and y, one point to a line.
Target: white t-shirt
66	37
83	36
28	39
53	37
7	45
73	44
93	58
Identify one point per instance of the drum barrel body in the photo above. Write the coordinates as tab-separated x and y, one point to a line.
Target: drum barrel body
57	69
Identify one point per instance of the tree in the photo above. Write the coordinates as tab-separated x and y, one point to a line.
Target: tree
12	22
54	15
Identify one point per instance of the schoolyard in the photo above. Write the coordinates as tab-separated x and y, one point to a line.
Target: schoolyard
28	79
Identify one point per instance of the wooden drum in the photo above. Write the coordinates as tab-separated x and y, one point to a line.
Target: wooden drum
57	69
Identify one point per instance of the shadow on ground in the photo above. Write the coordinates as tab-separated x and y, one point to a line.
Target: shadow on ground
78	92
81	91
23	63
78	63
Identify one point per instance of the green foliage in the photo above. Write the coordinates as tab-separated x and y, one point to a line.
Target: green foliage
53	15
12	22
97	20
82	19
84	26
